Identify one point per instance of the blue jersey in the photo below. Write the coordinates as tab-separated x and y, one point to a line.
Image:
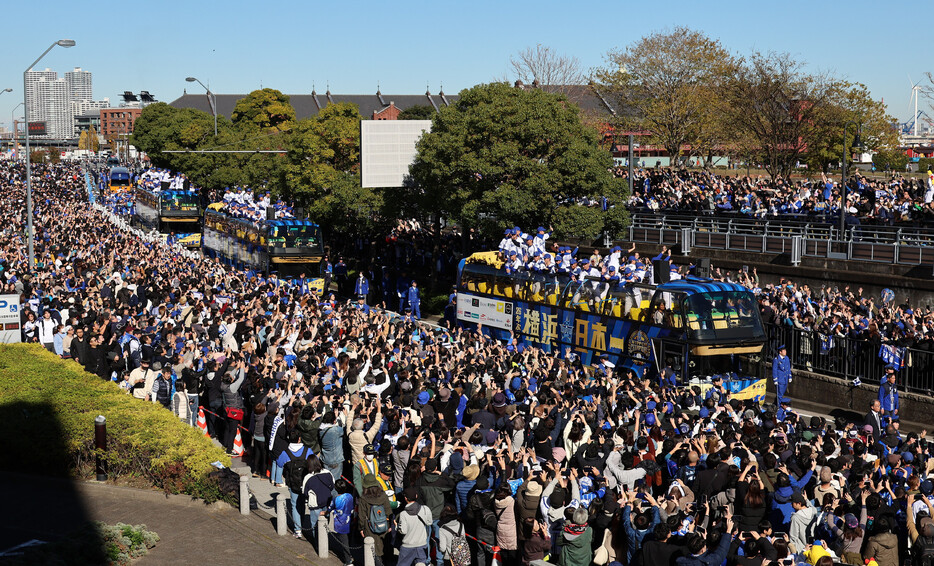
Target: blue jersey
342	507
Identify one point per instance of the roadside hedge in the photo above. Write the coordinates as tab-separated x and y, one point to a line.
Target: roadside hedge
50	405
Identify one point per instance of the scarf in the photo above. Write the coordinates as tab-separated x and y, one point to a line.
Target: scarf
576	530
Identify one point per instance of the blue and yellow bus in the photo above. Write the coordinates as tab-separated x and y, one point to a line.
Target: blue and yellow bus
175	214
289	247
700	327
118	179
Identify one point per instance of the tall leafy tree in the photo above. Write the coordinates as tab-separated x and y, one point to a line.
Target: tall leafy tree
667	84
845	102
502	156
777	108
321	170
265	110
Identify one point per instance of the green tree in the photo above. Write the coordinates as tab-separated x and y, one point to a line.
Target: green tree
776	109
668	84
417	112
845	102
266	109
890	160
321	170
502	156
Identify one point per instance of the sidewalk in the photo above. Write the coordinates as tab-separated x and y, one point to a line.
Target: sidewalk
190	531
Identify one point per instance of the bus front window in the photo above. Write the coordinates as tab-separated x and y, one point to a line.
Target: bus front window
722	315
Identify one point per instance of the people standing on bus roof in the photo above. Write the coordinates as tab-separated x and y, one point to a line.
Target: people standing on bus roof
781	371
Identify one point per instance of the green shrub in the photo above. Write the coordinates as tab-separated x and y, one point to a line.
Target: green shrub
56	401
434	304
926	164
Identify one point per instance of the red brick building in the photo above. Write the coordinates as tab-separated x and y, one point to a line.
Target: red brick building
387	113
116	121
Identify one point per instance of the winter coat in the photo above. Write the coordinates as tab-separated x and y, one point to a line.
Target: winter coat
506	537
884	548
433	487
576	549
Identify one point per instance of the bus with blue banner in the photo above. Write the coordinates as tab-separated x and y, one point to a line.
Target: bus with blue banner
700	328
175	214
289	247
118	179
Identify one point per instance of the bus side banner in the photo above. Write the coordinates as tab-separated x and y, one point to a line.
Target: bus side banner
552	328
489	312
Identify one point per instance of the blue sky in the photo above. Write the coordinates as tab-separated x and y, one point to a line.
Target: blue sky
405	45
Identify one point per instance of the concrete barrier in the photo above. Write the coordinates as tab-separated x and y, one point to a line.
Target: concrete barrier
322	536
915	412
244	494
281	528
369	552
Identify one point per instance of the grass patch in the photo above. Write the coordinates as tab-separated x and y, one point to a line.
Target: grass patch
53	404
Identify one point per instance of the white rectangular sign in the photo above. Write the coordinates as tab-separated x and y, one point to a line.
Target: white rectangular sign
387	148
481	310
10	320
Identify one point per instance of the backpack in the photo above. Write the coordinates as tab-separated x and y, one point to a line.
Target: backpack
922	552
460	551
378	521
294	471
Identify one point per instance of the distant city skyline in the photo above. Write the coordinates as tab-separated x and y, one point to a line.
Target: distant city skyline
355	48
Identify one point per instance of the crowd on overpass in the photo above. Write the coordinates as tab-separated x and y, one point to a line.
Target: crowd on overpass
447	440
894	201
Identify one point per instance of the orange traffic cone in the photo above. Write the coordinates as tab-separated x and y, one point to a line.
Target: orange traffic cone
238	445
497	561
202	422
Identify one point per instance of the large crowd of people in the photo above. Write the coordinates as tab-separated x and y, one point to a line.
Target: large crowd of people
896	200
441	443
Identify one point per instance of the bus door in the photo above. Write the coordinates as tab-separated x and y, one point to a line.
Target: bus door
671	354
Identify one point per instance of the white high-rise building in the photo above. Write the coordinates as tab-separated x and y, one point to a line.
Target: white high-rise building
58	101
79	84
55	103
37	112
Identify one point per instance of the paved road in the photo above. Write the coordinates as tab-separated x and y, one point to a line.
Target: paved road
190	531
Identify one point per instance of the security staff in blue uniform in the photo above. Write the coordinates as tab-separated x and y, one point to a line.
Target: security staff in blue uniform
888	393
415	299
327	270
781	371
362	288
402	290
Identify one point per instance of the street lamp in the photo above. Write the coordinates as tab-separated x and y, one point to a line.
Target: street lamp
31	236
6	90
211	97
857	144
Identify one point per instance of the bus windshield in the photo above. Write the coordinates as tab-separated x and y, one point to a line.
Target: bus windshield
178	201
295	236
723	315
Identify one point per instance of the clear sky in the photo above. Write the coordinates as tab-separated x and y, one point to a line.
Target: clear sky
406	45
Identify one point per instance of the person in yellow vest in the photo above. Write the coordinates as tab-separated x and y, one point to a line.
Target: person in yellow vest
364	466
385	480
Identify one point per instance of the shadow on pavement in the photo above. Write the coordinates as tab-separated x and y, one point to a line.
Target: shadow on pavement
37	448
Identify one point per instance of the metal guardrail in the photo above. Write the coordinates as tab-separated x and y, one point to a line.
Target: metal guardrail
881	244
848	358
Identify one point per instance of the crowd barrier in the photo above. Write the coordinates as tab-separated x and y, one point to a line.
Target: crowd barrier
818	237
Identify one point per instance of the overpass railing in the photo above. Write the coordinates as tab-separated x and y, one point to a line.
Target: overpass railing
816	238
849	358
